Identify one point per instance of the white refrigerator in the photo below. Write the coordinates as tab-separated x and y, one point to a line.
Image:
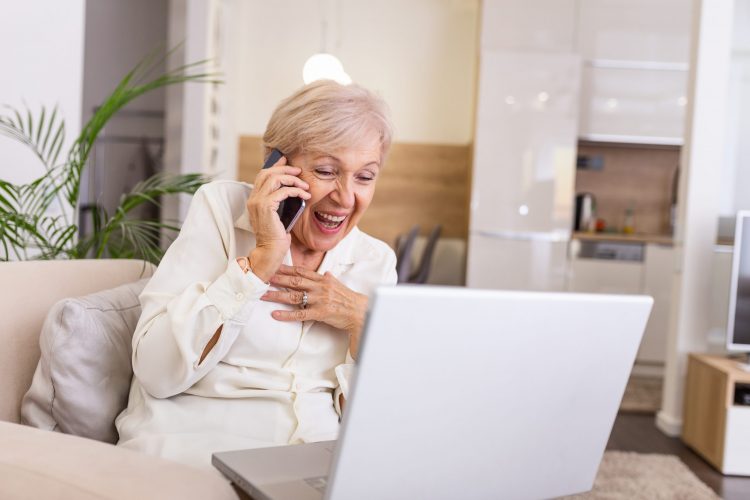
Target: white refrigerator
522	199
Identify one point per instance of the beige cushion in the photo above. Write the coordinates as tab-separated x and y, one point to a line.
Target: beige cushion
37	464
29	290
82	380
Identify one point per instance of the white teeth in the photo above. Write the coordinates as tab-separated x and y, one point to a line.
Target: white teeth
331	218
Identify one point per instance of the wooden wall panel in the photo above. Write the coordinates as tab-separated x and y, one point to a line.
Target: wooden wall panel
424	184
250	157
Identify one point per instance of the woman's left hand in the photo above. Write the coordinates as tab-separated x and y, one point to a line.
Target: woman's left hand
328	301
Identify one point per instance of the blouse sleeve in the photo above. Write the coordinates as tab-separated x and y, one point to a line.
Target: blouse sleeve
196	289
345	371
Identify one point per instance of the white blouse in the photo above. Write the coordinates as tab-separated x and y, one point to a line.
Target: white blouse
265	382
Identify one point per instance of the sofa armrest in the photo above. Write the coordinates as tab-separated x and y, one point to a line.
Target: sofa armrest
42	464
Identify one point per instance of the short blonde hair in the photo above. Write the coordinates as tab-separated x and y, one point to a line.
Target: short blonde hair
325	116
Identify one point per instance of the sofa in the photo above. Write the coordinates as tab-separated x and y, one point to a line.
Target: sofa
37	463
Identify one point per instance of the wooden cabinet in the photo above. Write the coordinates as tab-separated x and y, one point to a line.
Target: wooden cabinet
713	425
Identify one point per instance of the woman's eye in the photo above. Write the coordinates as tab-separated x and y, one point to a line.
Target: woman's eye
323	173
366	176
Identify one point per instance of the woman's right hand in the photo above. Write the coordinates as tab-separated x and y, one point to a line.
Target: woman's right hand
272	186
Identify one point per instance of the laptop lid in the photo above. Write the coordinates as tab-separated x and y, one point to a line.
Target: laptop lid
465	393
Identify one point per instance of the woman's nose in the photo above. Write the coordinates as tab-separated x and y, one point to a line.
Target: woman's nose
344	194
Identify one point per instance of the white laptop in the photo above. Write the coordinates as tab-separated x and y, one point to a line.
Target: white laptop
465	393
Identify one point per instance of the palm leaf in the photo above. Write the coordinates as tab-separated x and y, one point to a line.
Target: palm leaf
149	190
36	138
22	233
121	236
138	239
8	197
57	237
27	230
127	90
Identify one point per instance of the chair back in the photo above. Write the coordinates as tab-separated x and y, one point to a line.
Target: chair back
30	289
422	273
404	246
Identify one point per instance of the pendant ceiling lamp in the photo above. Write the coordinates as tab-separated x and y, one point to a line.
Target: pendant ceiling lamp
324	65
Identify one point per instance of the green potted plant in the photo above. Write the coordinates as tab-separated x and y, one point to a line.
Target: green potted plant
38	219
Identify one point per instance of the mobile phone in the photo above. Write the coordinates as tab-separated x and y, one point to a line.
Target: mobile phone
291	208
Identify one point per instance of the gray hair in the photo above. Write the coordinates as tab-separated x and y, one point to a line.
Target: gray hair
325	116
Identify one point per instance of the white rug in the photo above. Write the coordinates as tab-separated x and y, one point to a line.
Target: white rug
636	476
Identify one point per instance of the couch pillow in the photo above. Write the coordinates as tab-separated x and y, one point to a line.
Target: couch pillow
83	377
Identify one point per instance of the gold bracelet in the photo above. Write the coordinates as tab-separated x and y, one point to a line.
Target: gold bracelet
244	264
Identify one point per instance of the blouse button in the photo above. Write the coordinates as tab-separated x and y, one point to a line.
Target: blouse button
239	296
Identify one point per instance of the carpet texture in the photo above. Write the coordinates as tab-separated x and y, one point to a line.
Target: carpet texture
636	476
642	395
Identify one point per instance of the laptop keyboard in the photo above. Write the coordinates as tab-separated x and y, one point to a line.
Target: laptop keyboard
319	483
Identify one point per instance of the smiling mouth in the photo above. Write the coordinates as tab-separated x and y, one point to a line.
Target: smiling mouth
330	221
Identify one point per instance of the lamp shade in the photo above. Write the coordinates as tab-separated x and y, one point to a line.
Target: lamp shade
324	66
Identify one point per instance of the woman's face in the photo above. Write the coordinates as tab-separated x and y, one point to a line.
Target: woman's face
342	184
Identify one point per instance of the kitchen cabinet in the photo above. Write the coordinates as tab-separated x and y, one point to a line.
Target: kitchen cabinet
524	170
529	25
658	272
551	73
634	81
497	262
632	104
524	149
605	276
650	276
634	30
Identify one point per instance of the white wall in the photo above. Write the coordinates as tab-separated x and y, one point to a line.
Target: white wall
699	194
41	61
193	118
419	55
735	168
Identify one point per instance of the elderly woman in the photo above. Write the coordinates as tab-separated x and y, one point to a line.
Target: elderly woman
248	333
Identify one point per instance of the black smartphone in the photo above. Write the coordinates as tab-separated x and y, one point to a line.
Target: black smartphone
291	208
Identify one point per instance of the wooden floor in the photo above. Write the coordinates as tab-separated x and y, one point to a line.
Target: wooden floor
634	432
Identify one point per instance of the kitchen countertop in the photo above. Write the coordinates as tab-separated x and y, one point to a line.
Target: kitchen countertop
624	238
